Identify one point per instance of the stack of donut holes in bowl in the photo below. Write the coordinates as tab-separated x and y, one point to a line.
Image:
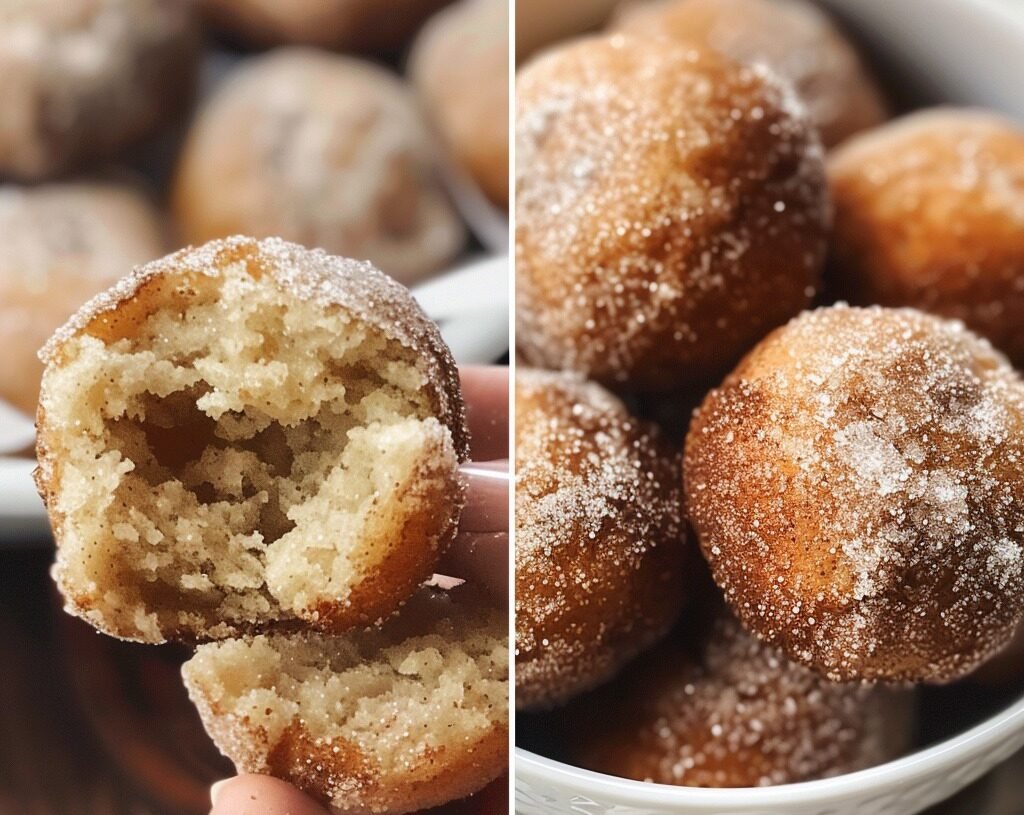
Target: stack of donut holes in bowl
770	483
252	447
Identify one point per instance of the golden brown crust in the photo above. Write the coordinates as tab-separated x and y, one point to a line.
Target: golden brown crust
320	770
734	713
794	38
855	487
600	555
100	77
671	208
406	567
460	66
928	213
347	25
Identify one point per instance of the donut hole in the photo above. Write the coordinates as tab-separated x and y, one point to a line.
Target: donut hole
730	711
852	485
338	156
242	456
371	708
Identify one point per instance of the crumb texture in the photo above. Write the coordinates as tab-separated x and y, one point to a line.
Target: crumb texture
739	714
856	487
243	434
384	721
599	544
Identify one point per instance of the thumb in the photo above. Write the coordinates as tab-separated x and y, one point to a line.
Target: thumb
479	553
260	795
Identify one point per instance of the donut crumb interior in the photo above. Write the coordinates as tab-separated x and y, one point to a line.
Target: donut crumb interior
395	697
236	446
435	690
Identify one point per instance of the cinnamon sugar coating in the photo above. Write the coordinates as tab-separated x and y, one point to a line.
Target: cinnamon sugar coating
324	150
855	485
600	543
795	38
459	65
671	208
736	714
930	214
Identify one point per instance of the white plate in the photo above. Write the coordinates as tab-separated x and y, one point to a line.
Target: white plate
955	51
469	303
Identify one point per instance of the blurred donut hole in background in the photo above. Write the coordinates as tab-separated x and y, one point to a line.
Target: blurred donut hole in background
133	127
210	136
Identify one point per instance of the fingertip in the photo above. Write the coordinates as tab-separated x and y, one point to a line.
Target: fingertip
216	788
485	389
260	795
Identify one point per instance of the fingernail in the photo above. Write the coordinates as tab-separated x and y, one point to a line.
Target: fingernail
443	581
497	470
216	789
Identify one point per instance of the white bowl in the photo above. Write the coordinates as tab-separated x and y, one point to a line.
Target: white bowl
955	51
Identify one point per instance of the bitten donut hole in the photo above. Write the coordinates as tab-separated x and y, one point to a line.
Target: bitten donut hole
374	711
240	452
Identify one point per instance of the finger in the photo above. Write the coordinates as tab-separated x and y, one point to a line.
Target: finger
485	390
260	795
480	559
479	553
486	507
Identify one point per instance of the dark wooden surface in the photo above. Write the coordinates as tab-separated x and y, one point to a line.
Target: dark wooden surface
89	724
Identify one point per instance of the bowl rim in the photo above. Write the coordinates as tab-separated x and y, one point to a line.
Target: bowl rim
946	755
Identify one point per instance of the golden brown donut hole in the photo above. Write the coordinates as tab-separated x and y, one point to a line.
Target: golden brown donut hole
793	37
459	65
854	485
248	435
600	558
735	713
671	209
929	213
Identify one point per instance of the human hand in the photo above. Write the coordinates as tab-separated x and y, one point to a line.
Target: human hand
479	554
